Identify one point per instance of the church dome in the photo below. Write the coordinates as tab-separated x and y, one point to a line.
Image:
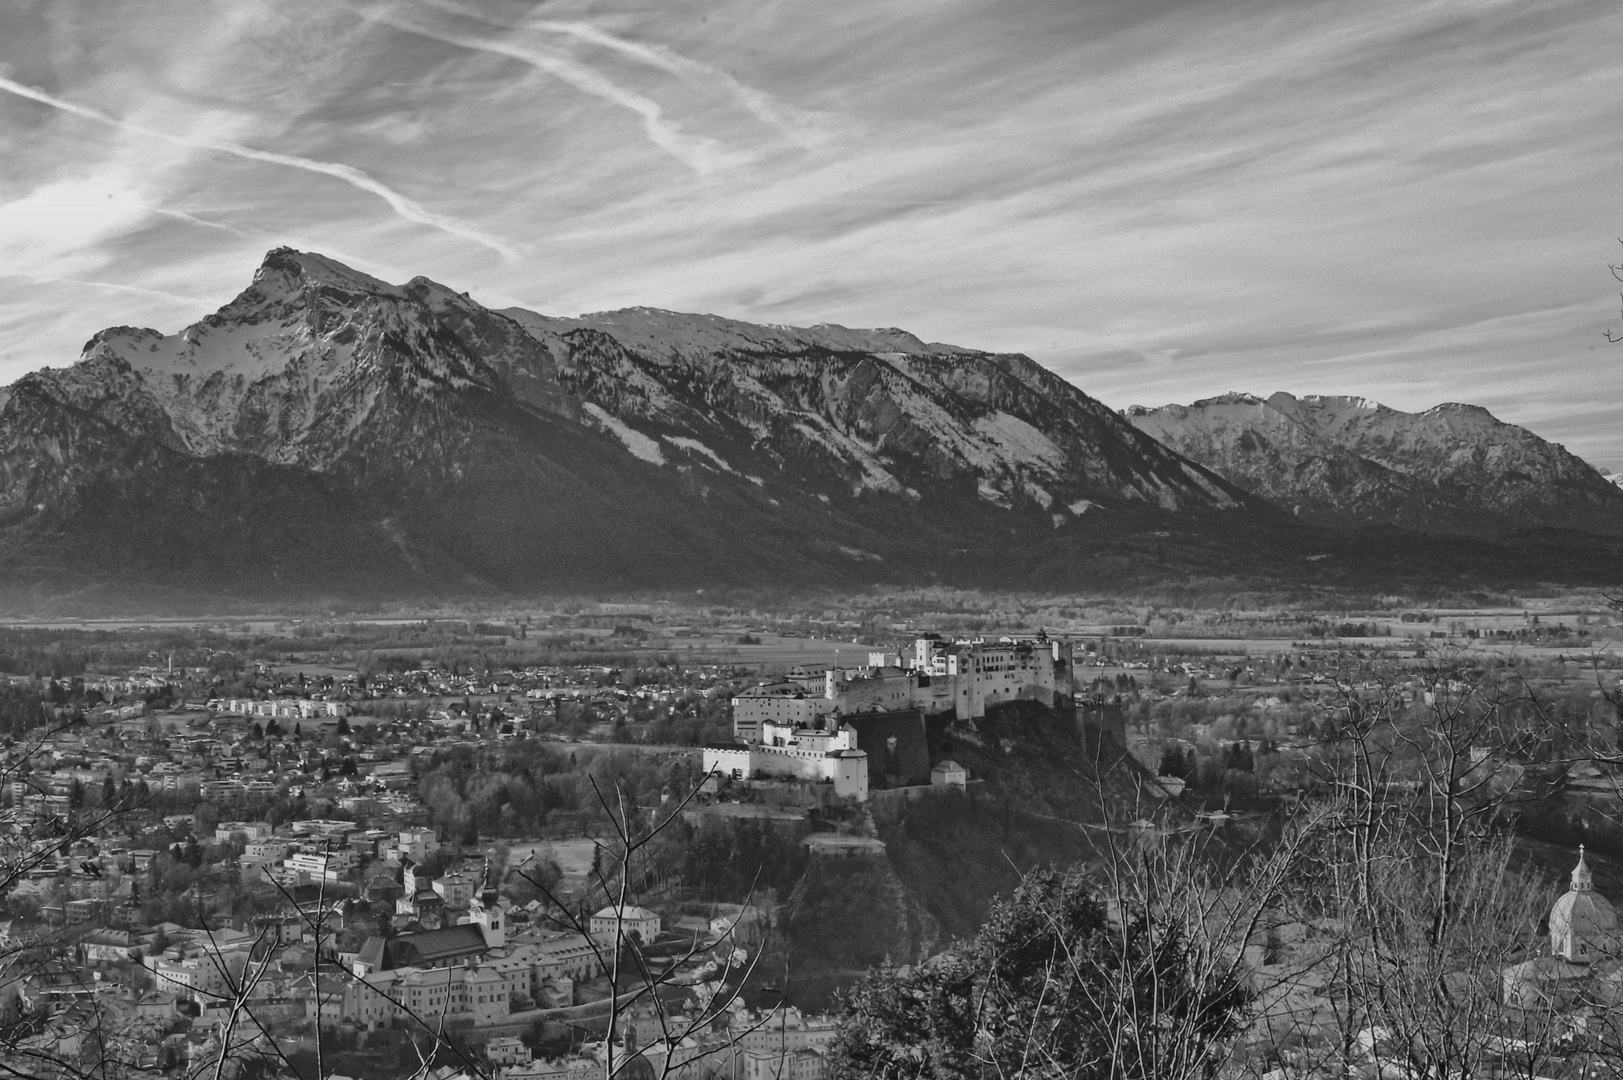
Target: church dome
1583	925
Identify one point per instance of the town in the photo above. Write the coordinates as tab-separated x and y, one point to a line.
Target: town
281	850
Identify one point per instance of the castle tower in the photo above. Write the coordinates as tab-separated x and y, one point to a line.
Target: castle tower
851	775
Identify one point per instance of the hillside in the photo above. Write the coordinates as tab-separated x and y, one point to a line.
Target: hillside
950	853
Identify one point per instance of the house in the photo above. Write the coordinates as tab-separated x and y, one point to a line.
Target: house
227	831
632	922
507	1050
949	774
156	1005
110	946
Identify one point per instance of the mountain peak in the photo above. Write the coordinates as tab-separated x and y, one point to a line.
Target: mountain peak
286	271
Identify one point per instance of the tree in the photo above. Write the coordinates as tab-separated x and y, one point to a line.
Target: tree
1050	987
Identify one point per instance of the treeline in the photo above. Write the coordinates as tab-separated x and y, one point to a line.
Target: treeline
534	788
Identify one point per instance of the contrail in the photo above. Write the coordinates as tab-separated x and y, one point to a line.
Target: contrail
350	175
697	153
133	290
792	123
136	290
758	103
193	219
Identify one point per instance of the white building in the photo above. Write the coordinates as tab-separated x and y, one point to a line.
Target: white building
418	845
815	755
321	865
607	926
227	831
788	703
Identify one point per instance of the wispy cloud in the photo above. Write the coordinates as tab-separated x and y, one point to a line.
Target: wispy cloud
701	154
202	223
798	125
192	303
400	204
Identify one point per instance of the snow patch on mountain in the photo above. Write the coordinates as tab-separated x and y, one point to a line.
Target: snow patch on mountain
640	445
697	447
1020	443
990	492
670	337
875	477
1038	493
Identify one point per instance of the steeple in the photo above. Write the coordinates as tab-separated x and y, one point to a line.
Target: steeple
1582	879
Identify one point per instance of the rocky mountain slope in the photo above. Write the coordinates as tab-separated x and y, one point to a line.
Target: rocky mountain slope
1343	460
327	429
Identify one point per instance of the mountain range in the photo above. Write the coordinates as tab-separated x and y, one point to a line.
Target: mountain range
326	430
1350	461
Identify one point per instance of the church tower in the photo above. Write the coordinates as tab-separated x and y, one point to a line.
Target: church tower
1583	925
486	911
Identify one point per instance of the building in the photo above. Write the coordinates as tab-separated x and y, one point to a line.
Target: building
321	865
787	703
464	992
198	977
961	676
455	889
507	1050
426	949
270	850
1584	966
949	774
982	673
418	845
794	753
227	831
633	922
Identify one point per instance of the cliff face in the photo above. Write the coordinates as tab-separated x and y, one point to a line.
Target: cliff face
327	428
1340	460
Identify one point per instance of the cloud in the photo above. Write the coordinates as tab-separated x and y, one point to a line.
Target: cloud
698	153
400	204
50	230
190	302
193	219
797	125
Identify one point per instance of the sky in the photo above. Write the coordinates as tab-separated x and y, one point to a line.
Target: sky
1414	201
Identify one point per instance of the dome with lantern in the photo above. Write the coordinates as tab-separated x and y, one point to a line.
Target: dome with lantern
1583	925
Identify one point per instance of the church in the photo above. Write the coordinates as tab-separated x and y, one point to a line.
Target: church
1584	967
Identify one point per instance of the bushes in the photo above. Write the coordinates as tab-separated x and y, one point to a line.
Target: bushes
1049	987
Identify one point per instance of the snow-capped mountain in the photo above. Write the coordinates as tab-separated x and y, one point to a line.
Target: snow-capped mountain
326	426
1349	460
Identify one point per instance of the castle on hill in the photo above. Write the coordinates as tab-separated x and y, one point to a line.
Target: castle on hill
961	677
808	726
